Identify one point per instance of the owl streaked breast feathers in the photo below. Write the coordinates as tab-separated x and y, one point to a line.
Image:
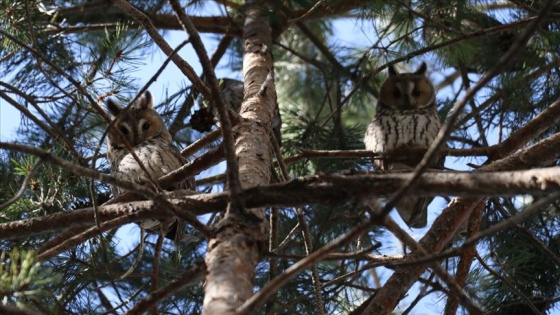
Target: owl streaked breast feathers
144	130
406	117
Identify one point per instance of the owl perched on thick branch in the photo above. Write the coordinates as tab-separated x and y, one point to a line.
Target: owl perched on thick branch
406	117
143	128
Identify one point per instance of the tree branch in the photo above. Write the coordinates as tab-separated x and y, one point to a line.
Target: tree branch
102	11
465	263
455	289
234	185
184	66
195	273
128	185
328	190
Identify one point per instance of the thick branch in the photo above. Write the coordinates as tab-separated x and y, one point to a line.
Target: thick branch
534	128
322	189
134	211
101	12
465	263
318	189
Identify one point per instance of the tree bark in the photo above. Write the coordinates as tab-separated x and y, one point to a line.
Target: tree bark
235	251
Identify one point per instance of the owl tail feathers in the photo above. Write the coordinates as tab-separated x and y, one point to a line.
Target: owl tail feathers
414	211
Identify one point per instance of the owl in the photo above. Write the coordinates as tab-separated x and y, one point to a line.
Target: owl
143	128
406	117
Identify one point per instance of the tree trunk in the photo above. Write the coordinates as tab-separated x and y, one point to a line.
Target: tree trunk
234	252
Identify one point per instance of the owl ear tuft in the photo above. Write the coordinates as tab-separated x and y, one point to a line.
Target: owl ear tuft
146	101
113	107
423	69
392	70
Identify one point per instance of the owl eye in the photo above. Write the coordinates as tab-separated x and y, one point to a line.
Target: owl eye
416	93
146	126
123	130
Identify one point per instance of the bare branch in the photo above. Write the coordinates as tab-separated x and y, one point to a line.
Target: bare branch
195	273
184	66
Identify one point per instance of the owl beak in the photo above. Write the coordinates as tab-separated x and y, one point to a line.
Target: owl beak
136	141
407	103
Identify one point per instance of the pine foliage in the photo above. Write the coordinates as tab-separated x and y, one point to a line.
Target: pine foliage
61	60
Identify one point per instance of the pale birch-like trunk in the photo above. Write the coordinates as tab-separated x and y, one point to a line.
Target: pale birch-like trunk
235	250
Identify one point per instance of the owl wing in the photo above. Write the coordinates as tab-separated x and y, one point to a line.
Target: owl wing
175	228
175	157
376	138
168	157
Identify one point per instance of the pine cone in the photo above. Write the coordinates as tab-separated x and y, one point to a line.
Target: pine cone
202	120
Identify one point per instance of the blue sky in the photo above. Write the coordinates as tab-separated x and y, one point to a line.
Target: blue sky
9	121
